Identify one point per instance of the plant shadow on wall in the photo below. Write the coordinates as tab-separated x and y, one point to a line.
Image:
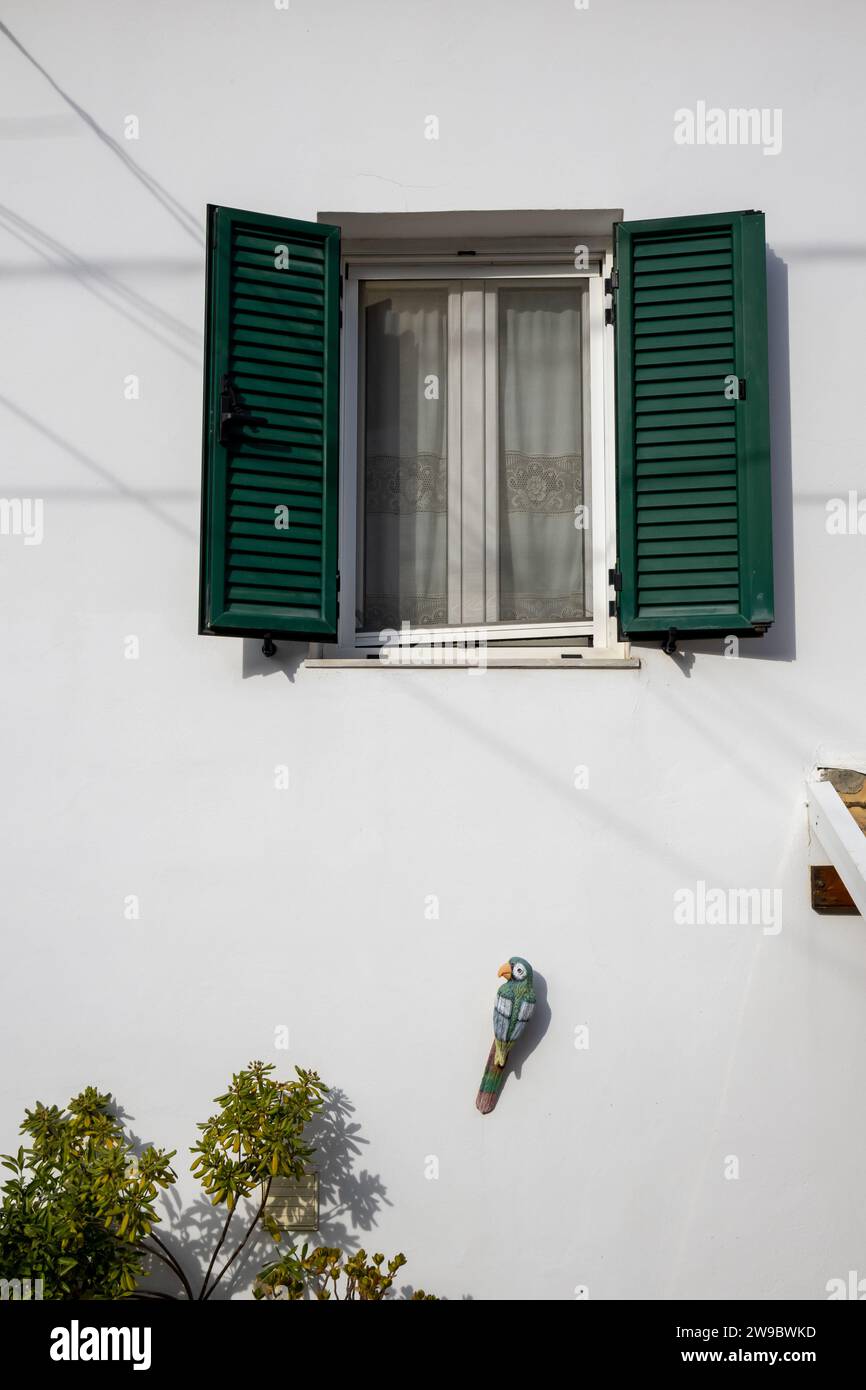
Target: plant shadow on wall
79	1211
350	1199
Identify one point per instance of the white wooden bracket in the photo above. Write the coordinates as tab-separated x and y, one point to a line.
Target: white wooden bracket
841	837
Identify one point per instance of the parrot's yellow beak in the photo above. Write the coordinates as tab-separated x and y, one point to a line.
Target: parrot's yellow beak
504	970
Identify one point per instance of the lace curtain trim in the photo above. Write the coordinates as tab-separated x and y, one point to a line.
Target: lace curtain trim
406	485
543	483
390	610
542	608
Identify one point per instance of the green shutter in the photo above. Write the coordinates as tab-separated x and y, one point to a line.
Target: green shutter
693	468
271	420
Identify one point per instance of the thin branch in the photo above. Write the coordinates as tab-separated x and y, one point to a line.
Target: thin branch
219	1246
253	1224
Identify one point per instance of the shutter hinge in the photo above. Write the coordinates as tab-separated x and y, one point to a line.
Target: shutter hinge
338	593
611	285
614	579
741	388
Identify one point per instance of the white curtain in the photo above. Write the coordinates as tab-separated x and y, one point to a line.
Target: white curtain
405	473
541	562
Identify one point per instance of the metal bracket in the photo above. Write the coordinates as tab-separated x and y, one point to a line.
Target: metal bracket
269	646
669	644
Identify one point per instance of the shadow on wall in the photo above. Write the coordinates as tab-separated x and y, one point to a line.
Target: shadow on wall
151	500
350	1199
100	281
779	644
169	330
288	658
175	209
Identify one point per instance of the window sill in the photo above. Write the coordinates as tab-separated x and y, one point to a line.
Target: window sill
444	661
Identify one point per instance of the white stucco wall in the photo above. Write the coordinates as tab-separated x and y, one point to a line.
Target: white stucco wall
306	907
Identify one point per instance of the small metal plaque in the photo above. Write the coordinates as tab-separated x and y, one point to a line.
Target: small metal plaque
294	1202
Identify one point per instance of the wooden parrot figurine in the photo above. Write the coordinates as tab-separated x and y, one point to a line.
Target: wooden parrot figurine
515	1003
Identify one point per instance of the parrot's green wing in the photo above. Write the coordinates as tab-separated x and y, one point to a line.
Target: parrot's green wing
503	1013
522	1010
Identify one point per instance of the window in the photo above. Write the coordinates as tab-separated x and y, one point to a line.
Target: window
411	427
473	452
485	520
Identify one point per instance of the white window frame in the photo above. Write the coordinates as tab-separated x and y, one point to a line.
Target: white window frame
599	434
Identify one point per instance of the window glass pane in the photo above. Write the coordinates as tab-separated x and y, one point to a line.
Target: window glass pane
541	477
405	457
